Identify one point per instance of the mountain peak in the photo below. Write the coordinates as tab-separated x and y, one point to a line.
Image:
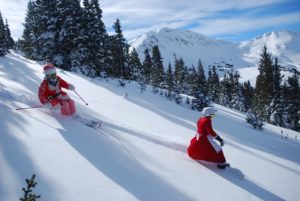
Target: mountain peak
192	46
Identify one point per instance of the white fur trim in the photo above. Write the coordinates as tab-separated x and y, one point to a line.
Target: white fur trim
214	144
208	111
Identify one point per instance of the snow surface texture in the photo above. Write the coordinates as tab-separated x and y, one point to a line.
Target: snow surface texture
140	151
244	56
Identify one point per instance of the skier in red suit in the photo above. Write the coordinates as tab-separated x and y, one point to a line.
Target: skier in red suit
202	146
50	92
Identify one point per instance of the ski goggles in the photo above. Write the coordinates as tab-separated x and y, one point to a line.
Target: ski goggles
51	76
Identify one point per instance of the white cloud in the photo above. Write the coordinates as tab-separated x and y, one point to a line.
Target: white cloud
240	25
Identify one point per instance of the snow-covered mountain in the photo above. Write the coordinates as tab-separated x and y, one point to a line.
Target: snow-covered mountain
284	45
140	151
191	46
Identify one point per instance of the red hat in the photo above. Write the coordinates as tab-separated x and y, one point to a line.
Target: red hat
49	69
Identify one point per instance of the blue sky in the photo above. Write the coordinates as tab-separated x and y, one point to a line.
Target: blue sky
231	20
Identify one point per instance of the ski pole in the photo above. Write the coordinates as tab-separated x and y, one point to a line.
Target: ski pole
81	98
26	108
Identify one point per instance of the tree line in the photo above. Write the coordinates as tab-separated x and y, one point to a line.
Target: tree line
6	41
74	37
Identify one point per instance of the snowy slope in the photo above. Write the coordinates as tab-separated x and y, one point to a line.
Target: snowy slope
191	46
138	154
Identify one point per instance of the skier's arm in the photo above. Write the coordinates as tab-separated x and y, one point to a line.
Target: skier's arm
220	140
209	129
42	93
65	85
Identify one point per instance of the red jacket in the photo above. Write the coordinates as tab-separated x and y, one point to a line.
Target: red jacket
202	147
204	127
47	89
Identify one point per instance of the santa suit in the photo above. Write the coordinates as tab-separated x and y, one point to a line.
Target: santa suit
202	146
60	98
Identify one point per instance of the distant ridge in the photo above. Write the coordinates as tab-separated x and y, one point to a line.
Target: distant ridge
192	46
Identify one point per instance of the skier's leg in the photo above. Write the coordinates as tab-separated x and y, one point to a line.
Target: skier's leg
65	108
72	107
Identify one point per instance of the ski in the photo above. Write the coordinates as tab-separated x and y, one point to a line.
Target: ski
93	123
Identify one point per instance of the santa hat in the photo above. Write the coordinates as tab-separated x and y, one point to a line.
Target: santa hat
208	111
49	69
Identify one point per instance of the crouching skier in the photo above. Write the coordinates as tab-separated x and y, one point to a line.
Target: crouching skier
50	92
202	146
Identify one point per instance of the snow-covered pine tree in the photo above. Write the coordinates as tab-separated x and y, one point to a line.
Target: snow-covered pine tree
179	79
135	65
83	57
47	22
9	40
264	85
254	120
147	66
213	84
199	91
291	94
157	72
99	36
3	39
276	105
237	101
120	53
247	92
169	81
28	42
70	25
225	91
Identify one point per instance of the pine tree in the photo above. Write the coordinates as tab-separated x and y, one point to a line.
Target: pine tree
264	85
28	42
276	105
70	25
135	65
3	39
291	94
9	40
179	79
157	72
199	89
248	93
213	84
225	91
238	100
98	35
47	21
169	82
147	66
83	55
120	53
28	191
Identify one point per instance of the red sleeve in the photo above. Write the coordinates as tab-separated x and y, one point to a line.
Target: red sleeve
209	128
42	93
63	83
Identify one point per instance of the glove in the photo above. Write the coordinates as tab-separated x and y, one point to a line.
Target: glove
71	87
220	140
